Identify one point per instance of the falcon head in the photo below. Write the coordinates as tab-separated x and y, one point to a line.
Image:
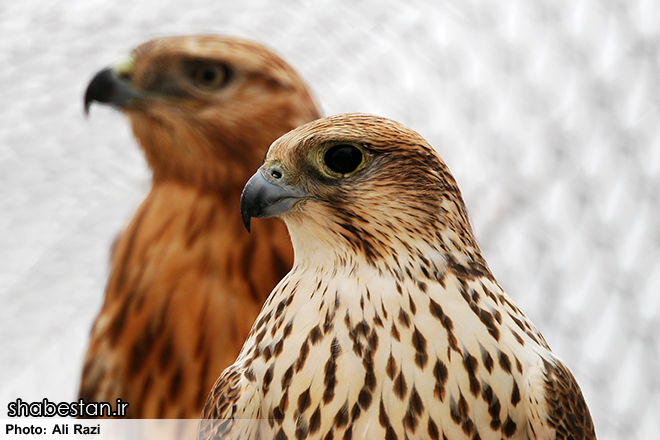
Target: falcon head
198	105
364	183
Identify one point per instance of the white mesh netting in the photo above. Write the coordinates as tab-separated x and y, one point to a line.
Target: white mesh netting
546	112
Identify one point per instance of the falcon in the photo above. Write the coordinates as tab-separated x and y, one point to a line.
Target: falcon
186	280
390	324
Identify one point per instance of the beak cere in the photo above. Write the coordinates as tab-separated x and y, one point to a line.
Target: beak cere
265	196
109	88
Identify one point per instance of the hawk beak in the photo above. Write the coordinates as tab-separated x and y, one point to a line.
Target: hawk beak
265	195
112	85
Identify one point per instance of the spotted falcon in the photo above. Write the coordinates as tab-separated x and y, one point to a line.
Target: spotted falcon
390	324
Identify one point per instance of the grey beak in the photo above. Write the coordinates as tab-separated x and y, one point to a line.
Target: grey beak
109	88
266	196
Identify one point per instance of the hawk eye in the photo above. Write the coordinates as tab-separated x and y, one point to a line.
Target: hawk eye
343	158
209	76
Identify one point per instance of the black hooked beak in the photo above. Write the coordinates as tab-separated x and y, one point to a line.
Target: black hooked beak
109	87
265	195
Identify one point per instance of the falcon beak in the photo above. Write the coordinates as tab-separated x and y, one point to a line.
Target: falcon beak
112	85
265	195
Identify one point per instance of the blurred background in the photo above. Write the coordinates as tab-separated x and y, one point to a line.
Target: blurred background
547	112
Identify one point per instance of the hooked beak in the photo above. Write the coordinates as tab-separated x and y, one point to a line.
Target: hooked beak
112	85
265	195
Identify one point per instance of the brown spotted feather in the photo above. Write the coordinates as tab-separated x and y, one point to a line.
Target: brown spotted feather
568	412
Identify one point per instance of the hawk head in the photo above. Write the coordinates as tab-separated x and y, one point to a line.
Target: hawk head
364	184
190	98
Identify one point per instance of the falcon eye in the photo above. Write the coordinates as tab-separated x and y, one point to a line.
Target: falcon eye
343	158
209	76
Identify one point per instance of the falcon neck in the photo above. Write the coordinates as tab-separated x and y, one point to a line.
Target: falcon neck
180	228
398	254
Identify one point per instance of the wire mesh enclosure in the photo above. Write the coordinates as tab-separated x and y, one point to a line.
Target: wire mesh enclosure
547	113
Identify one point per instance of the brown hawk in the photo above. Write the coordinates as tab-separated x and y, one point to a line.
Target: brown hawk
186	280
390	324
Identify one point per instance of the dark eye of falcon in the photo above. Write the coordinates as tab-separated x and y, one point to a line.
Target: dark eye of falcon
208	75
343	158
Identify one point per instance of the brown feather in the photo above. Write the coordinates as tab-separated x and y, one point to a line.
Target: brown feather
568	413
186	280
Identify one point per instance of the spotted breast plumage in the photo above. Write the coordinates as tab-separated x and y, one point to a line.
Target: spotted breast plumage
390	324
186	280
